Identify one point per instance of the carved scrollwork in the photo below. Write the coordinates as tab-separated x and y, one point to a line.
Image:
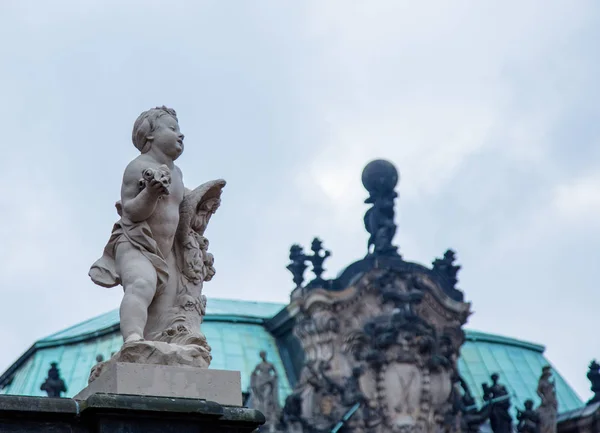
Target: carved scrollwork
370	344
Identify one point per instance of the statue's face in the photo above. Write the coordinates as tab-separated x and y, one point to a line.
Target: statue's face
167	137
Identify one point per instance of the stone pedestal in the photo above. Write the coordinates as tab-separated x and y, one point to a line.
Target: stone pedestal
111	413
221	386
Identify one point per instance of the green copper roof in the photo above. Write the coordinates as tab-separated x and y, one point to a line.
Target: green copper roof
235	331
214	307
519	365
233	328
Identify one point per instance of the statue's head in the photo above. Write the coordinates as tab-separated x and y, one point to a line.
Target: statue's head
495	378
158	127
528	404
263	355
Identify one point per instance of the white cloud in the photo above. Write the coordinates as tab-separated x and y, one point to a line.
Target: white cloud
578	201
429	86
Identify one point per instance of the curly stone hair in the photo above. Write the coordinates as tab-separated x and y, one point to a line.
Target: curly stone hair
145	124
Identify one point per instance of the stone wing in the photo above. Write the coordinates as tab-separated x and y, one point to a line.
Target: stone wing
198	205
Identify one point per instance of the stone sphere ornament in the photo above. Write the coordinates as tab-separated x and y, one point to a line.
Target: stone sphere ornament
380	176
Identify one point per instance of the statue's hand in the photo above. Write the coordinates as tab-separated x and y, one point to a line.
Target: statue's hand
157	188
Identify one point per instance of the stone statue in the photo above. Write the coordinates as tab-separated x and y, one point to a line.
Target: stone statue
548	409
594	377
497	397
264	388
380	178
157	251
54	385
529	420
463	416
472	417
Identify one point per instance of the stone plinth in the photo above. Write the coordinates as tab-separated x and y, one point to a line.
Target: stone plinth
221	386
110	413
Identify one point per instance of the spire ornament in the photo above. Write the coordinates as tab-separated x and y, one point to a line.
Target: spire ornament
379	178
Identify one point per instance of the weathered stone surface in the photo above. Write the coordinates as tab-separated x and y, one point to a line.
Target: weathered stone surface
388	342
157	250
223	387
548	409
583	420
106	413
156	353
380	341
264	391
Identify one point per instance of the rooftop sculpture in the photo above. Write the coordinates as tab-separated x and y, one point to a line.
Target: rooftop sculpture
548	408
379	178
54	385
594	378
158	252
264	387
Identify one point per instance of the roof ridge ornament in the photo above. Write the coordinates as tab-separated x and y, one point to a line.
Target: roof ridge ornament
299	262
380	177
594	378
447	269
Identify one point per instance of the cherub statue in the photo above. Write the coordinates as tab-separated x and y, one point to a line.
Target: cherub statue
157	250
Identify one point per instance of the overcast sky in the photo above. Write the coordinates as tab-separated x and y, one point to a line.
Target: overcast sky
489	110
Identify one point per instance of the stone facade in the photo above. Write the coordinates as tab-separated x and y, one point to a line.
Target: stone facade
389	343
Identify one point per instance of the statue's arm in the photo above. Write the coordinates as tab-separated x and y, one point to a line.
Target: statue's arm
138	205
